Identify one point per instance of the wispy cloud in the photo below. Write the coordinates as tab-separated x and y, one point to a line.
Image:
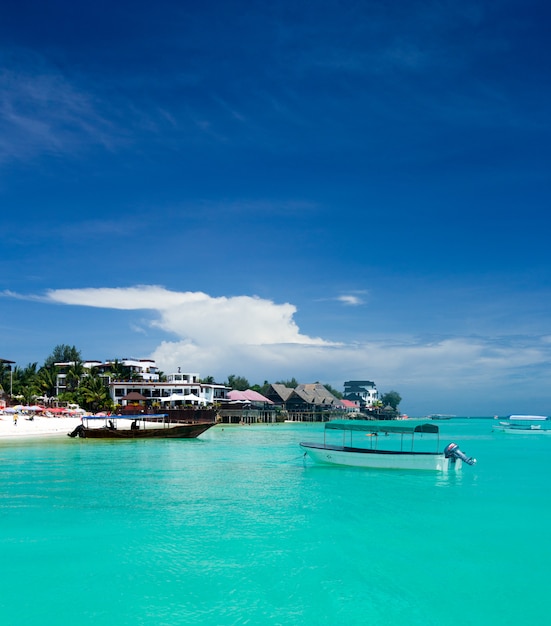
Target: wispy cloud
42	111
7	293
350	300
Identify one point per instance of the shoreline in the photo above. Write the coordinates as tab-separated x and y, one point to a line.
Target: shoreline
37	427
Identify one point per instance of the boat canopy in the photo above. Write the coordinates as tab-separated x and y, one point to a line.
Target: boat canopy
383	426
141	416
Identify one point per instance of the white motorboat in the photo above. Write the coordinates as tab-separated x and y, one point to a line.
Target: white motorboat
528	418
523	427
388	444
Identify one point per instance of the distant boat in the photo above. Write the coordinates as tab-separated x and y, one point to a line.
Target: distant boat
138	427
528	418
439	416
523	427
382	450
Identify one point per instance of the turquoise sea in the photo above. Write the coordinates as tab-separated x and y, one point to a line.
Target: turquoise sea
238	528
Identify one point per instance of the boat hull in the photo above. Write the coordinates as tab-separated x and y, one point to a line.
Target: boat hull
179	431
515	429
380	459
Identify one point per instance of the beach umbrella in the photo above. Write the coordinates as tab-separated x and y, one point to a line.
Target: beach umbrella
174	397
192	397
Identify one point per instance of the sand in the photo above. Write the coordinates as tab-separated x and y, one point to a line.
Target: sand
37	427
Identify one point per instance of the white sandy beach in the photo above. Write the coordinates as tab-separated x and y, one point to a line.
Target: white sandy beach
37	427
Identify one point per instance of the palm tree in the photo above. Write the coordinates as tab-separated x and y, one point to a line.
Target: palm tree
47	381
74	376
5	377
117	370
25	381
94	393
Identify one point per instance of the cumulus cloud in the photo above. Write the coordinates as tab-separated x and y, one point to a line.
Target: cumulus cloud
260	339
458	367
198	317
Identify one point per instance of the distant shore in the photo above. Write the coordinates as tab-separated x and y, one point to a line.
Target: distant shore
36	427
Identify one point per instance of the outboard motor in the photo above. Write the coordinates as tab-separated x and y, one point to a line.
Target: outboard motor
78	432
453	452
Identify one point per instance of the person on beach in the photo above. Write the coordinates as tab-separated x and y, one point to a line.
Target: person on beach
15	419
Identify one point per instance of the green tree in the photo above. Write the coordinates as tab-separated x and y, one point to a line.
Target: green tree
93	394
391	398
5	377
47	381
293	383
117	370
63	354
25	382
262	389
336	393
74	375
237	382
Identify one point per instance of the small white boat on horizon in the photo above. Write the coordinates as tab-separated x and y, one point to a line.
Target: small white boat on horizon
528	418
389	445
521	427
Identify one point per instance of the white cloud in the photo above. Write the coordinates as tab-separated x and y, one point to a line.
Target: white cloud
198	317
350	300
127	298
42	111
260	340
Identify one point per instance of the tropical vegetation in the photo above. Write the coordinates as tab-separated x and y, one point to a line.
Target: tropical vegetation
33	384
87	388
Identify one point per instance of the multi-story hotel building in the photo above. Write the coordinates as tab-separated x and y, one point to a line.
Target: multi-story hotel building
142	376
364	392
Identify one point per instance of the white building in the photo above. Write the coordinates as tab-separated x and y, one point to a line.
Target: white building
364	392
131	369
142	376
171	392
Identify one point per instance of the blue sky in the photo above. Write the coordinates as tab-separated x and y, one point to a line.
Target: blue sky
323	190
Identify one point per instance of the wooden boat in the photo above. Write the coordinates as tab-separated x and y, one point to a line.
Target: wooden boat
387	444
137	427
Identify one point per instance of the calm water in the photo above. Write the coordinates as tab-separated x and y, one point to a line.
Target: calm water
236	528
